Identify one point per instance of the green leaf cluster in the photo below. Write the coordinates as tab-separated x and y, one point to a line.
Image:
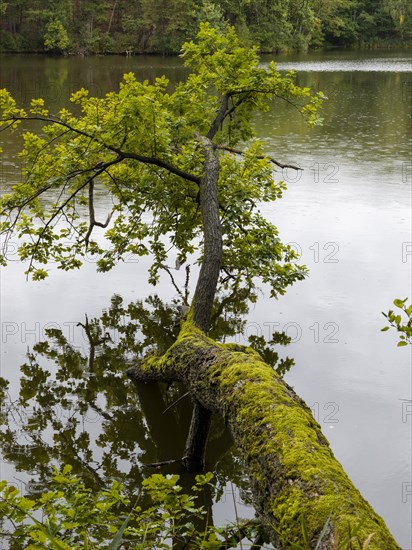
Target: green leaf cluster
403	324
56	38
70	516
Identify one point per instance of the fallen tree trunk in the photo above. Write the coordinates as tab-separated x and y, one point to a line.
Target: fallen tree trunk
292	470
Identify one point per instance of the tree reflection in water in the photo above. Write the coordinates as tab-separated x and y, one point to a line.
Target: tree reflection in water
76	406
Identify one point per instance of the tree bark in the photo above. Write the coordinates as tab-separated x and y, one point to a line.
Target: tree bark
292	470
202	304
212	234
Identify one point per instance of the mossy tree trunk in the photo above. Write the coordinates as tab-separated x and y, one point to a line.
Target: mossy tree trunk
292	470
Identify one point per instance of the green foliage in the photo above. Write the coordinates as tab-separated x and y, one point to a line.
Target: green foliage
400	12
211	12
403	326
56	38
161	26
345	22
12	42
141	145
73	516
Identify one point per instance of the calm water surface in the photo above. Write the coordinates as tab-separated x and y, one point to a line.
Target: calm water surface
349	216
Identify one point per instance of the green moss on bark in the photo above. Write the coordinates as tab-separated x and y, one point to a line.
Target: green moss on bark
291	467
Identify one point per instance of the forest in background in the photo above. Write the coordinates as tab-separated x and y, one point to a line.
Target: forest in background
161	26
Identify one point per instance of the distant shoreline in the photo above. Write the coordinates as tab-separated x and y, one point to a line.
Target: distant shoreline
382	45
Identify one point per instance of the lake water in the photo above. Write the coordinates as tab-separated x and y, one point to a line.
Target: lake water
349	216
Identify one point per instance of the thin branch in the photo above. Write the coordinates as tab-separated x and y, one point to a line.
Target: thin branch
124	154
70	221
8	125
228	274
173	281
266	92
45	188
224	111
92	341
116	185
241	534
186	301
237	104
164	463
93	222
175	402
33	164
262	157
102	168
157	162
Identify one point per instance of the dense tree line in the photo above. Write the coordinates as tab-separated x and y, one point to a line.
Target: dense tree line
161	26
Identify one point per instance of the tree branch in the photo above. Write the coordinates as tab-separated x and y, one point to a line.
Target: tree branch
93	222
242	153
157	162
220	116
237	104
288	458
224	111
45	188
166	268
124	154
